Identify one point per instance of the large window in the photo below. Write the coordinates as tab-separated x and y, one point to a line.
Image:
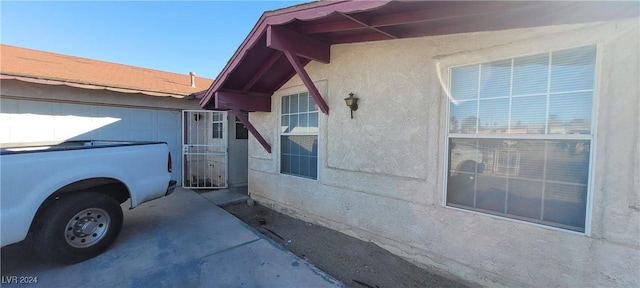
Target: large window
299	136
520	137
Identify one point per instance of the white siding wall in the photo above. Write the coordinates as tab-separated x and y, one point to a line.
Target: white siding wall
63	113
381	174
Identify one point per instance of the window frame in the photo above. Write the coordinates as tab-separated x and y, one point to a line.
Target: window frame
592	136
217	123
242	127
280	134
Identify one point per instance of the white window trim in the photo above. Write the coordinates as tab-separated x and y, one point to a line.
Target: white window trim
592	137
280	133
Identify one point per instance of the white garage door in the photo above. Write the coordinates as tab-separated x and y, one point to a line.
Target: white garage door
33	121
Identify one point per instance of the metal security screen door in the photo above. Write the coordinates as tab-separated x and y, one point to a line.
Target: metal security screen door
204	149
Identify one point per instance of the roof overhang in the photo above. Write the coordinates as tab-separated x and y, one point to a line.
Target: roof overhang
89	86
283	41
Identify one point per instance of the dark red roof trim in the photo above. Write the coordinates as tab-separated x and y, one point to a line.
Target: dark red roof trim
283	41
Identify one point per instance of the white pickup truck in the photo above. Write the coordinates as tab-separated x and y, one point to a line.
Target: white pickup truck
68	195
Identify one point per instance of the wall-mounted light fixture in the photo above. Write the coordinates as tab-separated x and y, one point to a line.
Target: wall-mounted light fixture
352	103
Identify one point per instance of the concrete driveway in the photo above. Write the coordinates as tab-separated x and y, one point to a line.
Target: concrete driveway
182	240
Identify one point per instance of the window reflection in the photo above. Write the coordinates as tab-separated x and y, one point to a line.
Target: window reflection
494	116
530	75
463	117
550	93
532	179
528	115
464	82
540	180
495	79
570	113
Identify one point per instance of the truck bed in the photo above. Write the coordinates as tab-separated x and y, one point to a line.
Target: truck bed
17	148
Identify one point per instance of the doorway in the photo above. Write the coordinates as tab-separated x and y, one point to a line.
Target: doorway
205	149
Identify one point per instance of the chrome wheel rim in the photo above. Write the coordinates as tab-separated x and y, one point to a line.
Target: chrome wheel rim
87	227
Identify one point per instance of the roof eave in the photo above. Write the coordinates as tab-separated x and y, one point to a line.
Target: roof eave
88	86
280	17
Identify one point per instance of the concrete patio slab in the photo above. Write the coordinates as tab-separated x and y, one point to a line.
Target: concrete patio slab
229	196
182	240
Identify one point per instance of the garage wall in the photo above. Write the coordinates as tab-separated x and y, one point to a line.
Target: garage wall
34	112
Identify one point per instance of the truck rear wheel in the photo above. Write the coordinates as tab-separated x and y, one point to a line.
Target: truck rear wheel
78	227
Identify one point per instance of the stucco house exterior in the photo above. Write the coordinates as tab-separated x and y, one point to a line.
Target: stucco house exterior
49	97
495	141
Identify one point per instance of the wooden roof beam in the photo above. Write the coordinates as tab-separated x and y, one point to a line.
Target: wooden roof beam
243	118
295	62
225	100
282	39
364	24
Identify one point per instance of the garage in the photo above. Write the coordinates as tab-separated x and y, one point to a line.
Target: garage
49	97
40	121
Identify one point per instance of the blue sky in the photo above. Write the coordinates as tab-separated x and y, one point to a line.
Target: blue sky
178	37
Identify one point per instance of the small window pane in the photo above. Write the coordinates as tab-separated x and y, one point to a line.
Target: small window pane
217	131
463	117
313	167
464	153
284	145
309	145
285	124
573	70
495	79
303	123
529	160
463	169
530	74
284	163
525	198
568	161
565	204
293	123
461	190
294	146
304	166
295	164
285	105
494	116
491	193
570	113
313	122
312	104
304	103
293	104
241	131
464	82
528	115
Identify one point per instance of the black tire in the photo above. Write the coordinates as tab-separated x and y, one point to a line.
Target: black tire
78	227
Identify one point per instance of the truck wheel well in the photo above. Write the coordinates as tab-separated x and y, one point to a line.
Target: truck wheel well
108	186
